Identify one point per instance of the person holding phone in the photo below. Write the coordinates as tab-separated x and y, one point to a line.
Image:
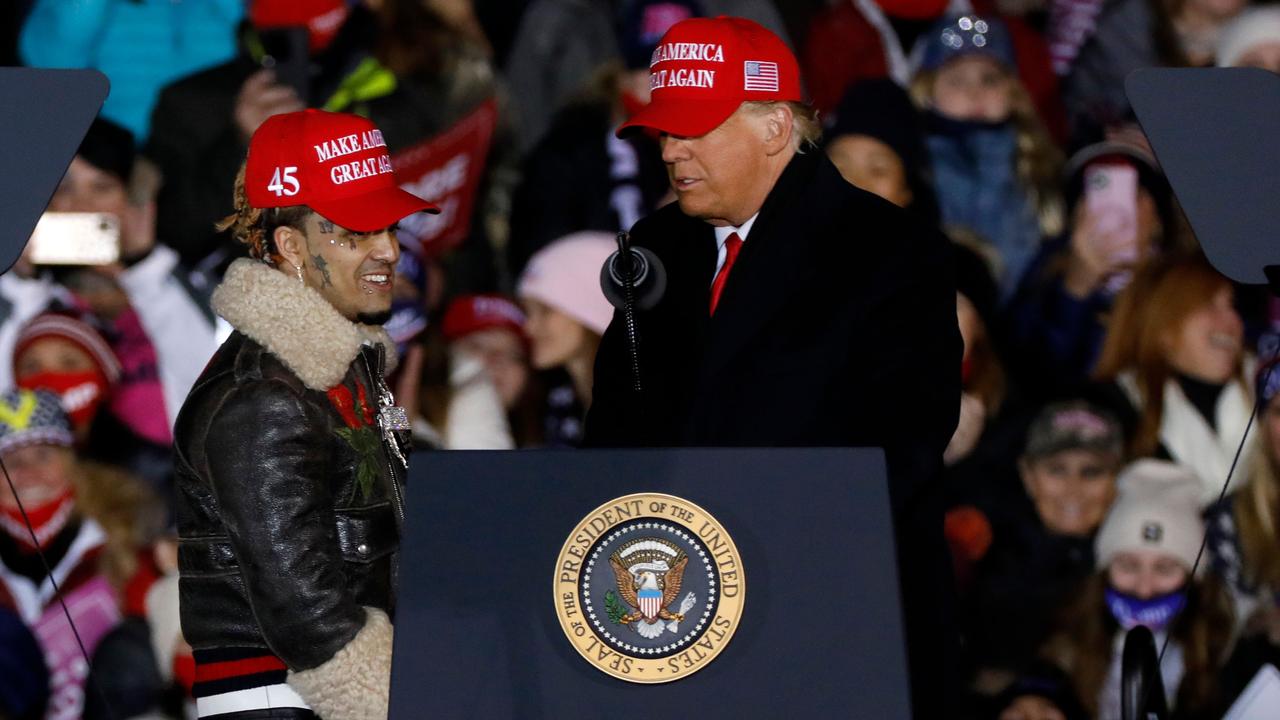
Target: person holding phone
144	302
1120	215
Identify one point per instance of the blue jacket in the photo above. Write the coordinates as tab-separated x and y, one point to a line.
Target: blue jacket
140	45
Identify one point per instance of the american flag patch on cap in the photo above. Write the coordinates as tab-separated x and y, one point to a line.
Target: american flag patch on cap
759	75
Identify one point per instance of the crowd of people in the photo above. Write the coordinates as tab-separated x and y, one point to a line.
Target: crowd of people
1109	374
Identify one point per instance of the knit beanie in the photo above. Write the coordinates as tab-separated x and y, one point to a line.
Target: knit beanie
958	35
1157	508
1247	30
32	418
75	331
566	276
109	147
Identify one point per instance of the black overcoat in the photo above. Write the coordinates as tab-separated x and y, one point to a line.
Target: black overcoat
836	327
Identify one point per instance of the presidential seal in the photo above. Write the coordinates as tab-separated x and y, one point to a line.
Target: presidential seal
649	588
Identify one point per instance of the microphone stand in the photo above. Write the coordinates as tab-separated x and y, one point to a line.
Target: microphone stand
1141	683
627	265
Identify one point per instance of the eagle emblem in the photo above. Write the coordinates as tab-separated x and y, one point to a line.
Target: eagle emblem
649	572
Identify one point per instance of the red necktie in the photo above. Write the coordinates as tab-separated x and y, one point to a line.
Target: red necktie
732	245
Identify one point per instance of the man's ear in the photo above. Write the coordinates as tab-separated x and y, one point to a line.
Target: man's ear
291	243
778	128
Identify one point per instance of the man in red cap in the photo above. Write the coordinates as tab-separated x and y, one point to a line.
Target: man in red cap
290	458
799	310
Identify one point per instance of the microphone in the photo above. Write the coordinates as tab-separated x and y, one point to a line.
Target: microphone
637	267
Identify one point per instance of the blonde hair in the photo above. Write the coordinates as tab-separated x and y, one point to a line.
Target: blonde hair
806	130
128	511
1255	515
255	227
1038	161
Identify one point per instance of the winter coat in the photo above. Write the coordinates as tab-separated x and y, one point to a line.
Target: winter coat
290	498
1205	446
854	40
1052	338
836	327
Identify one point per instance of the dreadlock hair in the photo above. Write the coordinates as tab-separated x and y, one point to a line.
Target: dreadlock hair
256	227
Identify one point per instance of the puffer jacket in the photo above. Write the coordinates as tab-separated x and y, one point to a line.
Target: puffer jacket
290	498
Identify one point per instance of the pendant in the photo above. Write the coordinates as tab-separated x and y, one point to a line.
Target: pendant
393	417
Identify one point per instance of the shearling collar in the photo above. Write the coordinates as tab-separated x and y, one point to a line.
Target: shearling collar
294	323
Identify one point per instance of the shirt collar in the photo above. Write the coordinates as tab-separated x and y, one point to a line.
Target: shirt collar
723	233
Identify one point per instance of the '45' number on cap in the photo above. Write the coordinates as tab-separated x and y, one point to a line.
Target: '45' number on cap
283	182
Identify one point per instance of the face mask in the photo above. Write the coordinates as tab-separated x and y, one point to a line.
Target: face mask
47	520
82	393
1155	613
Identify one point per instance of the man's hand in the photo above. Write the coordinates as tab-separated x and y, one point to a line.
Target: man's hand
261	97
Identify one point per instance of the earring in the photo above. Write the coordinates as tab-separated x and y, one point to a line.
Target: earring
299	269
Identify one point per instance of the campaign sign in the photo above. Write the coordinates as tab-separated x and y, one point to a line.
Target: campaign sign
446	170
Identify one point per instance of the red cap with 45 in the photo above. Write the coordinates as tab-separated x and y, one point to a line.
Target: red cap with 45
704	68
334	163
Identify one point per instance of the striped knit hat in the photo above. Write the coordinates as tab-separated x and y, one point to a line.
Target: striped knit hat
32	417
73	330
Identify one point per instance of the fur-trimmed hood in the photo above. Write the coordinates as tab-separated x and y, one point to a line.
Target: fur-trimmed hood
294	323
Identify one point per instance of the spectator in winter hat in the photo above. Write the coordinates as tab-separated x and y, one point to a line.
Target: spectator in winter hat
1146	550
1056	317
81	516
63	354
1042	544
565	307
491	328
566	313
160	332
1251	39
877	142
995	168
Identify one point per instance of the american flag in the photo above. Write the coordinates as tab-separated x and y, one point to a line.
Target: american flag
761	76
650	603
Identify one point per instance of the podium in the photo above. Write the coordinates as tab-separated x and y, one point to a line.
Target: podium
627	584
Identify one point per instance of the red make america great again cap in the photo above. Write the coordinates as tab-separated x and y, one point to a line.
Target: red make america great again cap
334	163
704	68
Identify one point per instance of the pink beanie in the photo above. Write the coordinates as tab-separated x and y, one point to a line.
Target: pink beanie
566	276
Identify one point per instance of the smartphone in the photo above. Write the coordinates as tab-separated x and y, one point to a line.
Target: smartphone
287	52
76	239
1111	196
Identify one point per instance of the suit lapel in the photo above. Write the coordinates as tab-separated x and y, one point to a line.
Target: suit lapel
770	266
